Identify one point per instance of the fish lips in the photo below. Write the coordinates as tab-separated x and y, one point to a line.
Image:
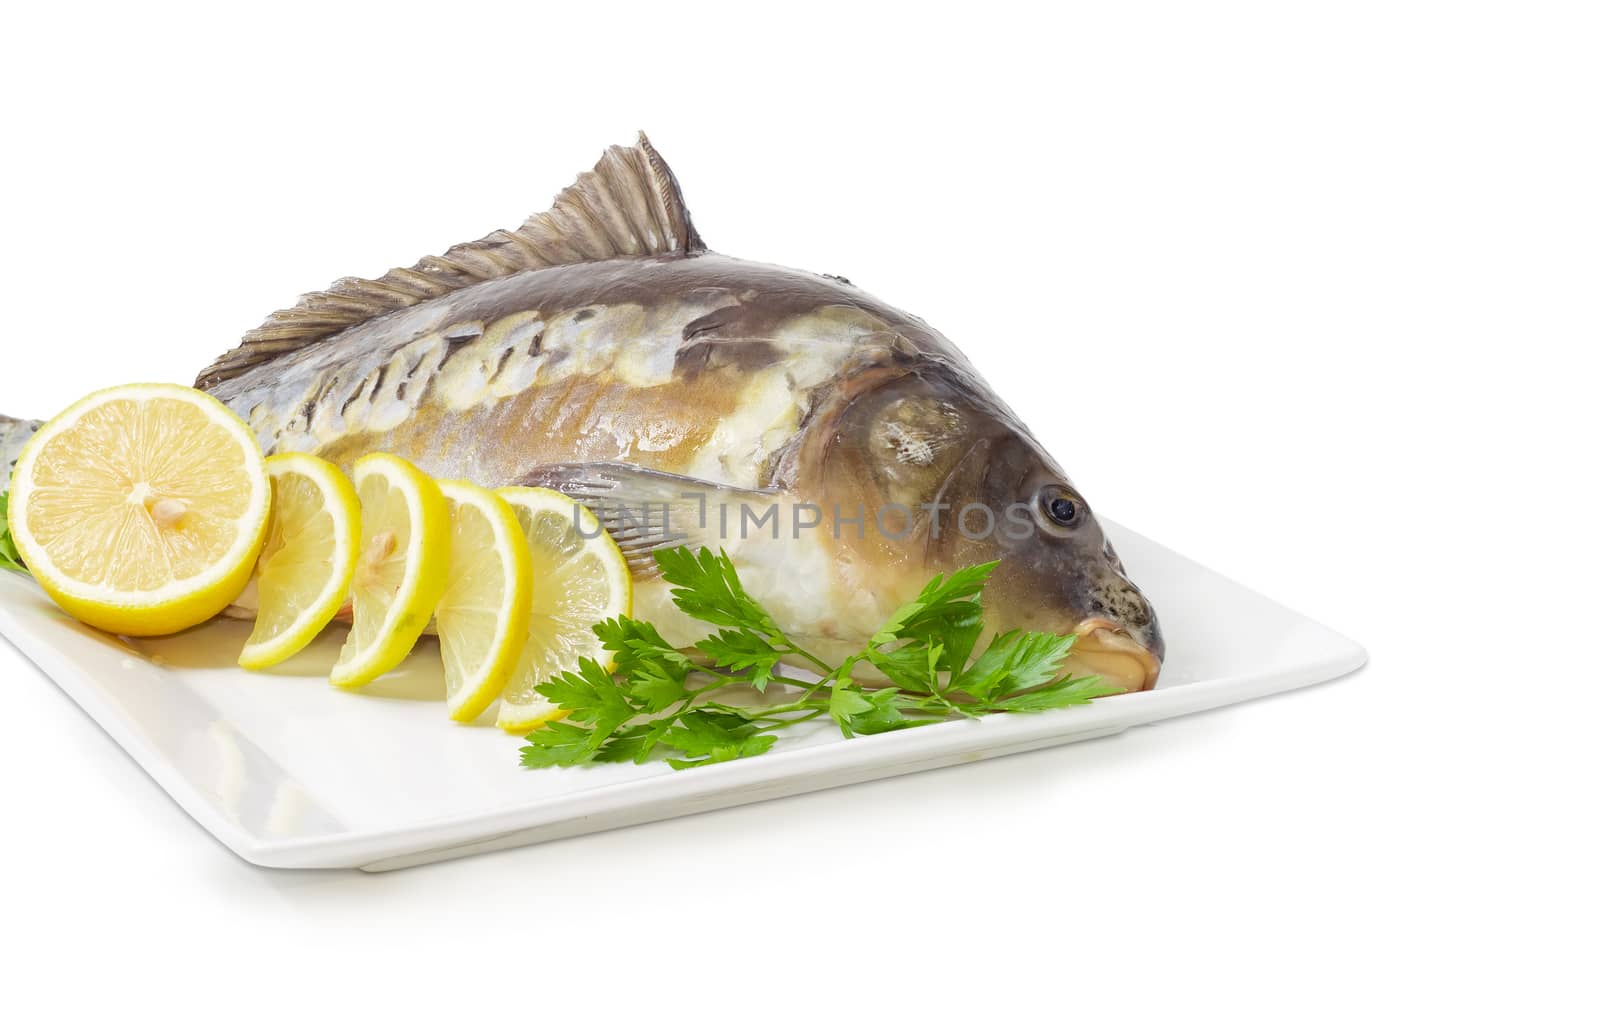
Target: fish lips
1108	651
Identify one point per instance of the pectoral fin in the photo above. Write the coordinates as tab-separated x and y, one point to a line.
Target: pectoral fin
645	510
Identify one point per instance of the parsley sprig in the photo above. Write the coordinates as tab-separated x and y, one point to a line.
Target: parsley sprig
667	701
9	558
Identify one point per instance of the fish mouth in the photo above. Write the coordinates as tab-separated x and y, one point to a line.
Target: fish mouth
1109	652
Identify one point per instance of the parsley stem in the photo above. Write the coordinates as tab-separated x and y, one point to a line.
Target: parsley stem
787	708
811	712
791	647
798	683
766	712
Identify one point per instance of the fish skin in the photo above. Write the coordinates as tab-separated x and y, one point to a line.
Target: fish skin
634	360
769	383
13	435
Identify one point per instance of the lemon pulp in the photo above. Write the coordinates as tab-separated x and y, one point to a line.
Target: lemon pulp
580	578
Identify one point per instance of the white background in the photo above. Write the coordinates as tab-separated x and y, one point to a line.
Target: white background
1306	292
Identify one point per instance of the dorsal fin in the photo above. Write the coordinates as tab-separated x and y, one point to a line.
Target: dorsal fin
629	204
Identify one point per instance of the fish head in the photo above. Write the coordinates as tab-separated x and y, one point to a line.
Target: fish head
975	487
1058	570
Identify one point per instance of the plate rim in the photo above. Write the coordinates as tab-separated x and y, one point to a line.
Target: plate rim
783	772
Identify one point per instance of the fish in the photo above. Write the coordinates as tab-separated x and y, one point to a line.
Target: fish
841	450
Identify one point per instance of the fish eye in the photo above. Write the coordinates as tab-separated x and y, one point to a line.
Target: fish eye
1061	508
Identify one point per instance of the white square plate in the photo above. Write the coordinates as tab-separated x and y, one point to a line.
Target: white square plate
290	773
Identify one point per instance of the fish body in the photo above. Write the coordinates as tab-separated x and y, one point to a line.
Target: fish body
842	450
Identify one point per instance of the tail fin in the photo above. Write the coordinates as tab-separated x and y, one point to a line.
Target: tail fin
13	435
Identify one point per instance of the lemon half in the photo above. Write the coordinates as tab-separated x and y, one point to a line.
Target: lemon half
580	578
140	509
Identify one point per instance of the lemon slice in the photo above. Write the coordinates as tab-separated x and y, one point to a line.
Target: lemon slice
400	573
140	509
308	559
482	619
579	579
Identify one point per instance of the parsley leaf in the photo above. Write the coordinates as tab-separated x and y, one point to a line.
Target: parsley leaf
593	698
632	641
10	559
1014	662
635	743
708	589
845	705
654	687
653	673
557	744
885	710
739	650
949	609
1069	692
712	737
662	699
913	666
